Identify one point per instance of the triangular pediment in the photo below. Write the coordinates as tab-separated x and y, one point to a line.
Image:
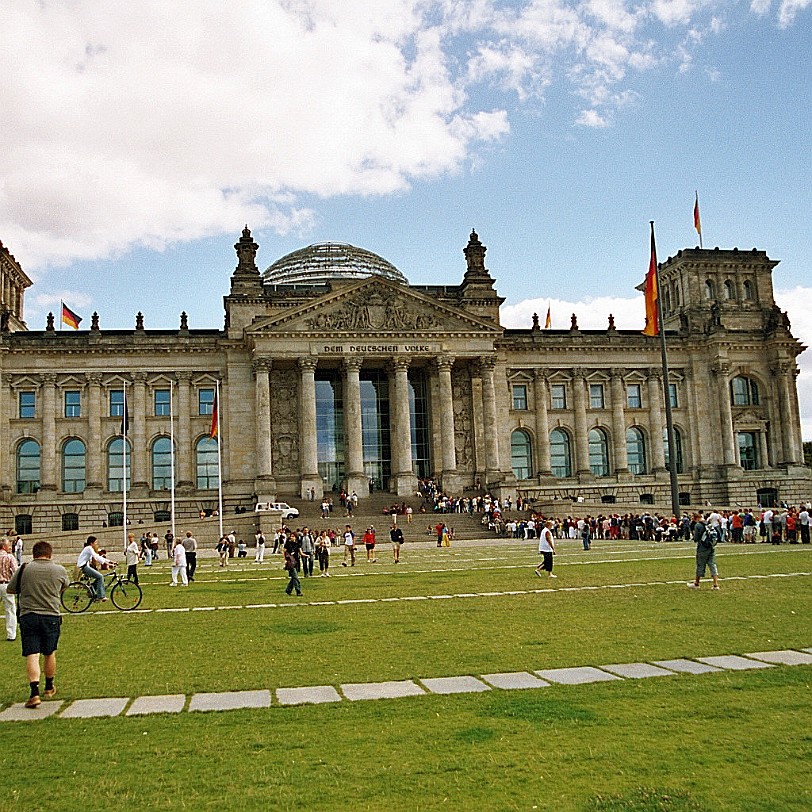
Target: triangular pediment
373	307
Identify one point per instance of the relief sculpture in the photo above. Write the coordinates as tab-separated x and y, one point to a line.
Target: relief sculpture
285	421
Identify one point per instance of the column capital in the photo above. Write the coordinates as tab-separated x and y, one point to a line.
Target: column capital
720	368
486	364
655	374
352	364
48	378
184	376
140	377
94	378
308	364
261	365
541	375
400	364
616	373
446	362
578	373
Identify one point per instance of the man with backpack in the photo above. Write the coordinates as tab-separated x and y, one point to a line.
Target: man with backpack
706	538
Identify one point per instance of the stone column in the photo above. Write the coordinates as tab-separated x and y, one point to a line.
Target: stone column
136	434
49	469
6	459
782	372
355	478
264	484
655	419
187	479
619	424
310	477
541	396
581	431
478	419
764	455
486	367
446	417
405	482
95	453
721	372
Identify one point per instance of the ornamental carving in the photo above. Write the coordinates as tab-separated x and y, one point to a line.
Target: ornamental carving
377	310
463	420
285	421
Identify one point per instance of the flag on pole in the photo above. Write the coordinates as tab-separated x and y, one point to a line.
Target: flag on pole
548	321
215	419
69	317
697	221
652	327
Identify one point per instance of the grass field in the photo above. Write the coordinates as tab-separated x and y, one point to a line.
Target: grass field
729	740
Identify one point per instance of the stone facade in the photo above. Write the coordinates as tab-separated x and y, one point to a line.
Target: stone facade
552	414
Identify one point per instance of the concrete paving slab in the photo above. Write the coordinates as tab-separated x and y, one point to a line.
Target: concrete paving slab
732	662
637	670
785	657
576	676
230	700
807	650
312	695
515	680
91	708
381	690
165	703
19	713
686	666
455	685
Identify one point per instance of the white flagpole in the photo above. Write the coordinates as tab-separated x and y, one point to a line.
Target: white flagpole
124	460
172	453
219	460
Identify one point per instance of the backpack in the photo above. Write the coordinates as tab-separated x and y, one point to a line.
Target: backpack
709	537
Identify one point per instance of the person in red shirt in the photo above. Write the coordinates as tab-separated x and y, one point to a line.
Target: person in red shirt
792	527
369	543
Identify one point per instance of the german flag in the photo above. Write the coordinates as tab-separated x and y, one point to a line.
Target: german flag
548	322
69	317
215	419
652	327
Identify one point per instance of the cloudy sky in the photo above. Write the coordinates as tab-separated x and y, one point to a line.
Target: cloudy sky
137	139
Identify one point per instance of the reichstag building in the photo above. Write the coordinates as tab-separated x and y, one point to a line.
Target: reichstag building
334	372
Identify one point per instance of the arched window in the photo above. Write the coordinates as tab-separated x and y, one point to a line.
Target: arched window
521	455
560	461
747	289
710	292
115	465
677	445
729	290
206	464
73	466
162	464
744	391
598	453
636	450
28	467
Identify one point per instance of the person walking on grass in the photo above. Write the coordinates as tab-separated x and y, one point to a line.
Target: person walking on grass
290	566
369	544
190	546
179	565
547	550
131	555
349	547
706	538
8	566
396	535
260	554
38	586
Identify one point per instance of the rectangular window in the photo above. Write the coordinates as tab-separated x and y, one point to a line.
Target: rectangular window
519	397
116	403
28	405
73	405
205	401
161	403
558	396
633	398
672	394
596	396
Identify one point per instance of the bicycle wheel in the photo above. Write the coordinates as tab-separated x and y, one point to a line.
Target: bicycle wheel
126	595
76	597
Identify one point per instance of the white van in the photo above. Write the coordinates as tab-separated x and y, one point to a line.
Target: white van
282	508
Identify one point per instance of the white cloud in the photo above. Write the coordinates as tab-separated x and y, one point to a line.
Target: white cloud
760	7
593	314
146	123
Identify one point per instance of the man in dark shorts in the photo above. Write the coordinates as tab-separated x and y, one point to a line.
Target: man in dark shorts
38	586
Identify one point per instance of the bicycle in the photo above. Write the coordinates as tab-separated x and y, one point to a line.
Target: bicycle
125	595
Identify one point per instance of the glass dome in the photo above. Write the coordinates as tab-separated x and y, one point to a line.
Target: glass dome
325	261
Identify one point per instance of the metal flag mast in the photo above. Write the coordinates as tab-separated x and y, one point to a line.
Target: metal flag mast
669	417
172	453
219	461
124	428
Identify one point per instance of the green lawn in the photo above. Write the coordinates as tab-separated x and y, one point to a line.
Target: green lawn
716	741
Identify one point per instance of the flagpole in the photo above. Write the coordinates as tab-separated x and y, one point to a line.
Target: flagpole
697	218
124	428
61	311
669	417
219	460
172	454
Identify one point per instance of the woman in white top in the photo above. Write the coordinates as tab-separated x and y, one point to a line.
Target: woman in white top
90	553
179	565
547	550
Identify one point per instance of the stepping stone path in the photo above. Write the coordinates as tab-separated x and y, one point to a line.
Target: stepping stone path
358	691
